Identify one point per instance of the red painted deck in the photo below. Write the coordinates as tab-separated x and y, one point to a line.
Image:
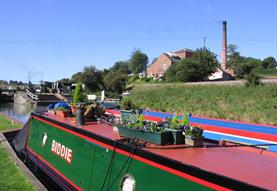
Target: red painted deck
248	165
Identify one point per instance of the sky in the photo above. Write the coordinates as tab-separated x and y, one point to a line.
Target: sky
53	39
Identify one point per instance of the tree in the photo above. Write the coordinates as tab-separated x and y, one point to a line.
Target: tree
3	82
76	77
121	65
13	82
64	81
241	65
116	80
78	94
196	68
246	66
233	57
92	78
269	62
138	62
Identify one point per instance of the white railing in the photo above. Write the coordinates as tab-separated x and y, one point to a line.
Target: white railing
31	95
60	97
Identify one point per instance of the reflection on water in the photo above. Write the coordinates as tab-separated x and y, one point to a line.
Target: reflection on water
19	112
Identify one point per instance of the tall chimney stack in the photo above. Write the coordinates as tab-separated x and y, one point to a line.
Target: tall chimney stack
224	47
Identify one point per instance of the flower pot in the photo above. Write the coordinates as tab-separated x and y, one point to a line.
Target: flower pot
159	138
51	111
176	136
73	109
194	141
62	113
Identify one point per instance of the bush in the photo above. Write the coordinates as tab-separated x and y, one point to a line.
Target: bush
115	81
269	62
252	80
196	68
127	103
78	94
247	66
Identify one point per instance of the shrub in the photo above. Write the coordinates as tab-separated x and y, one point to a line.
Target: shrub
78	94
127	103
115	81
196	68
252	80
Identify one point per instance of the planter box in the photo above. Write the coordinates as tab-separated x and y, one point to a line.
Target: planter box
126	114
62	113
197	141
159	138
176	136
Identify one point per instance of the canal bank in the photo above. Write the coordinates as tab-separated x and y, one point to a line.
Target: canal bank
14	174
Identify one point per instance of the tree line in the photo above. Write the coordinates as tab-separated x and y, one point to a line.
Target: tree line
195	68
114	79
243	66
203	63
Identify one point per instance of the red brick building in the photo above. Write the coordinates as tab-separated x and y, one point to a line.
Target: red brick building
158	68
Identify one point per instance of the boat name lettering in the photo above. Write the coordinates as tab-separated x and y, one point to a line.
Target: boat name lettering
62	151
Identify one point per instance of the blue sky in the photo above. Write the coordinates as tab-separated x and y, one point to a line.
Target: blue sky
53	39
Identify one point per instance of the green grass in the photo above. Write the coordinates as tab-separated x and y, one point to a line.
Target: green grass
11	178
267	73
6	124
258	105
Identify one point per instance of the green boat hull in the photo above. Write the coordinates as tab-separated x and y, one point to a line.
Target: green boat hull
84	161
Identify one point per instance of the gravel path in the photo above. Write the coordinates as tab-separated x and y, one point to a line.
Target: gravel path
231	82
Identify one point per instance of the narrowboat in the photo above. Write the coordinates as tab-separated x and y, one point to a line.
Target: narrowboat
94	157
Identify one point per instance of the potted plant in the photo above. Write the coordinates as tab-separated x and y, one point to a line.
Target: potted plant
51	109
78	97
62	112
194	136
177	127
136	127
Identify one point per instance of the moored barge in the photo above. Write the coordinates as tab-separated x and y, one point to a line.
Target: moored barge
94	157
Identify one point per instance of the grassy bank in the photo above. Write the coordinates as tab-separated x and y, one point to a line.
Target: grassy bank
258	105
11	178
267	73
6	124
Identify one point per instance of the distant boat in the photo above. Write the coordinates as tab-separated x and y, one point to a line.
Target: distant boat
126	93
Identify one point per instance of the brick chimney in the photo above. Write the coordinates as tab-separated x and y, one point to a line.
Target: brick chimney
224	47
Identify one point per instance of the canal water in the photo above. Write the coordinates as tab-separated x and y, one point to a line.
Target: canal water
19	112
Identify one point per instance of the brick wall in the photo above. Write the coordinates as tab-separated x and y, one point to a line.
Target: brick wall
159	67
183	53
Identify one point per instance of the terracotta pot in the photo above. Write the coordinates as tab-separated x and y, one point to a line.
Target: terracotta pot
194	141
73	109
62	113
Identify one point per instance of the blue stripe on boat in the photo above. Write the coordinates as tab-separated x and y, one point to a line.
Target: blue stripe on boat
221	124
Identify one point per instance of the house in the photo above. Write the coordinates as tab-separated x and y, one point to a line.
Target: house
158	68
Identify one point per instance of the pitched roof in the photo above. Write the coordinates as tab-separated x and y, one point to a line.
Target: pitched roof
168	56
184	50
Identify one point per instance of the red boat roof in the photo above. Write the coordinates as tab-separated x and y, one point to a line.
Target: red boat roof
249	165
